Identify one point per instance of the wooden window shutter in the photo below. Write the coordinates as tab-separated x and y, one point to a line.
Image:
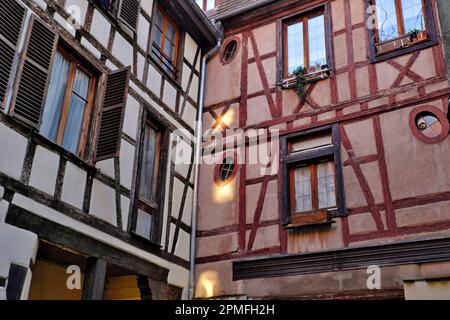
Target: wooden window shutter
129	13
35	74
115	98
12	16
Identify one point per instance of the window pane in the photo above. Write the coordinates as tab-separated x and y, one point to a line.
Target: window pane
55	97
326	185
159	19
169	51
148	163
387	19
157	36
75	115
210	4
144	224
303	196
316	35
413	15
171	32
295	46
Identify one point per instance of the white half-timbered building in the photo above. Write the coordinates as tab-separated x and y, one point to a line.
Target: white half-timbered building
93	97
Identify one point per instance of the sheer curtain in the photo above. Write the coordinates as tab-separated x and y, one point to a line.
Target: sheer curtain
75	115
148	164
55	97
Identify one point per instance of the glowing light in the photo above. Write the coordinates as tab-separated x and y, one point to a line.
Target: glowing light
207	283
228	118
223	193
224	121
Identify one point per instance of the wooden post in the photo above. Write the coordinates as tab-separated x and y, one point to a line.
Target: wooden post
16	280
94	279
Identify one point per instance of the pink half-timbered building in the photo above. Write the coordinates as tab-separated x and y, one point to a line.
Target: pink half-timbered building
358	180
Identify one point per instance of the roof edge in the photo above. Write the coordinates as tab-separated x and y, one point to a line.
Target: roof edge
242	10
210	28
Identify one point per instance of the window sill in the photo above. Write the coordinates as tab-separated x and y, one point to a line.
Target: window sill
310	77
315	218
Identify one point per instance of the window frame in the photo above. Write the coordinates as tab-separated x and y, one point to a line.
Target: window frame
175	73
153	208
297	17
312	164
204	6
290	161
76	62
419	45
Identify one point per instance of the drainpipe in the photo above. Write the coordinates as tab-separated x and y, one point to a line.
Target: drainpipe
197	159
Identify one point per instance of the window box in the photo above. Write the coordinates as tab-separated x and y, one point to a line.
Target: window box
313	75
320	217
407	40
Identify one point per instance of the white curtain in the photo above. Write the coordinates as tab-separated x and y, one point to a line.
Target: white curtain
148	163
75	115
55	97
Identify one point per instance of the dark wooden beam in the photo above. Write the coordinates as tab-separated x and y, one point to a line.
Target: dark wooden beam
66	237
401	253
13	186
94	279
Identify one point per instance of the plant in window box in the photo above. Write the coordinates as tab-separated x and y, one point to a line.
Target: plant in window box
417	35
300	81
316	68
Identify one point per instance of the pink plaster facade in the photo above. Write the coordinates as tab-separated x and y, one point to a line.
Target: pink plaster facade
408	184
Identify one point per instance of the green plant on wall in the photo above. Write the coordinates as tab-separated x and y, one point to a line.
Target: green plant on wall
300	83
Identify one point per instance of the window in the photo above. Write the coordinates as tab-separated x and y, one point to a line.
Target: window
305	42
225	172
313	176
165	38
206	5
400	24
229	51
126	11
148	180
313	187
429	124
227	168
69	102
395	18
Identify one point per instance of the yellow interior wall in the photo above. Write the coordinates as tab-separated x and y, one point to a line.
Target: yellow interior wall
49	282
427	290
122	288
